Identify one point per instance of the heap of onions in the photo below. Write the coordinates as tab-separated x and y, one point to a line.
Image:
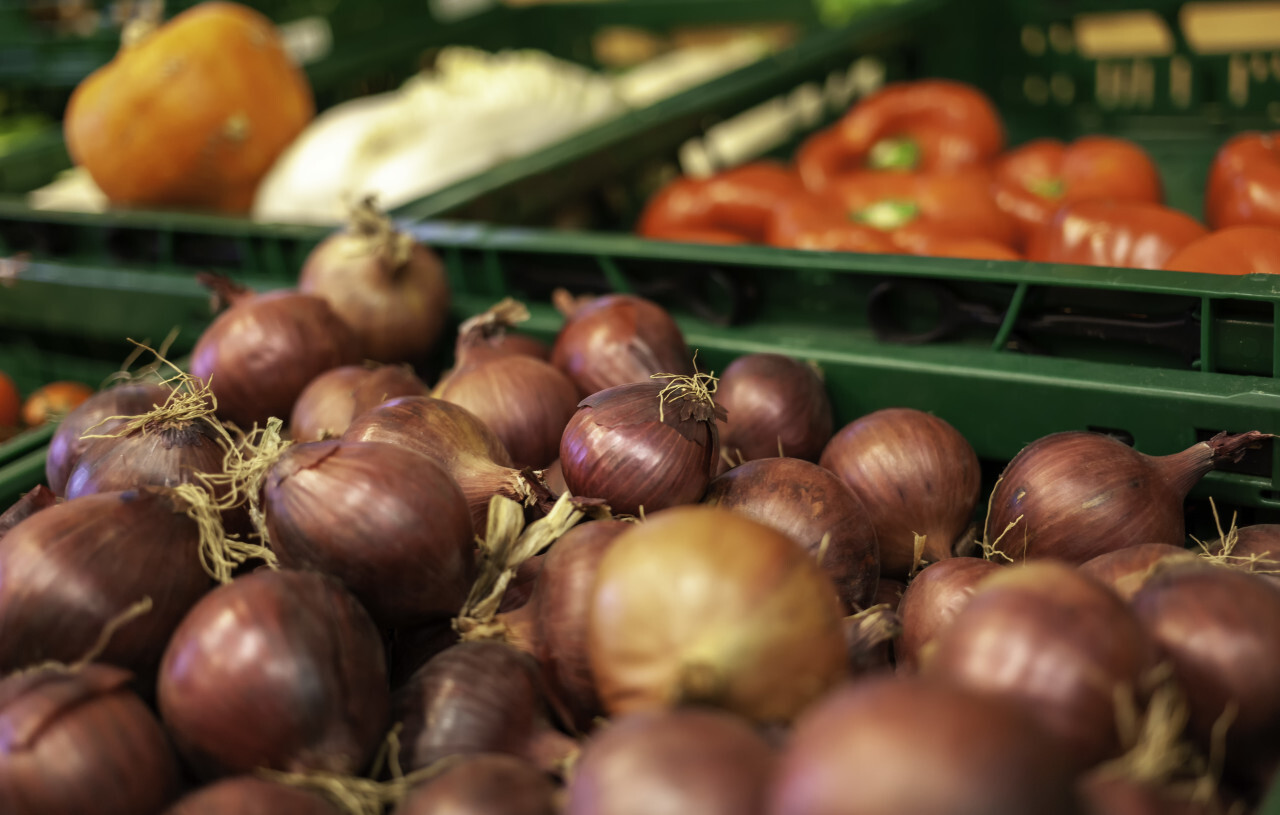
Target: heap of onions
1125	570
483	784
67	444
389	288
932	600
917	477
777	406
327	405
525	400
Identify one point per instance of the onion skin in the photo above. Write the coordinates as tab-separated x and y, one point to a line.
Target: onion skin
484	784
277	669
806	503
915	474
1125	570
389	522
615	340
78	742
161	454
688	607
1057	642
671	763
66	446
775	403
38	498
1256	549
1080	494
891	745
246	795
932	600
327	405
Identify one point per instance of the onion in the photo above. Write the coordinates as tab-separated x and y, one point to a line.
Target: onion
79	741
484	784
1125	570
38	498
644	446
698	604
526	401
1077	494
277	669
892	745
259	354
917	477
330	401
66	446
387	521
1111	795
246	795
1056	641
615	340
931	602
867	637
411	647
477	697
455	439
1251	548
672	762
514	342
388	287
777	406
888	596
815	509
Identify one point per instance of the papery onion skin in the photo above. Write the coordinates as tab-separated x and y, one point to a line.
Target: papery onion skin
389	522
160	454
1125	570
932	600
1059	643
807	503
891	745
483	784
38	498
66	446
246	795
672	762
327	405
277	669
777	405
618	339
700	605
915	474
79	742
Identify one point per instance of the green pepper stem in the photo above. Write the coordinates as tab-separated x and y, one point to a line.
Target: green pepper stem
887	215
894	154
1047	187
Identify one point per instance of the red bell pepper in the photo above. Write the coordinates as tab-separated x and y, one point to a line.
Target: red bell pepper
737	202
1244	182
1114	233
1236	250
814	222
1034	180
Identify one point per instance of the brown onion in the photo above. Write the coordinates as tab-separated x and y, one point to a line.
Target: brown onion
1253	548
260	353
778	406
1078	494
815	509
388	287
327	405
483	784
38	498
698	604
1115	795
672	762
455	439
76	742
526	401
931	602
916	475
1059	643
893	745
277	669
66	446
615	340
246	795
1125	570
386	521
643	447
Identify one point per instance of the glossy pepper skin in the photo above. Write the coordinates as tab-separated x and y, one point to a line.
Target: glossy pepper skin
1114	233
1236	250
929	125
1244	182
732	207
1034	180
818	223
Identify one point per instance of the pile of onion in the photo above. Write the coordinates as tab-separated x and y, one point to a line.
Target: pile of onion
932	600
96	412
777	406
327	405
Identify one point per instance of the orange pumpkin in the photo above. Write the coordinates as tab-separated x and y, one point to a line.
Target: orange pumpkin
191	114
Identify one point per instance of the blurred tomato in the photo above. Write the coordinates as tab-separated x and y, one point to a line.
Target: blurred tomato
53	401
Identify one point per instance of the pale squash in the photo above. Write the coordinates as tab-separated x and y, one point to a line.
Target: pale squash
192	114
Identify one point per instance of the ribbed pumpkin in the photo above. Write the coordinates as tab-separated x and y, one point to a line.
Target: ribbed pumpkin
190	114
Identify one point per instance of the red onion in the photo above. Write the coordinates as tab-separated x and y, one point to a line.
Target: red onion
649	445
1125	570
893	745
1111	795
277	669
388	287
931	602
1077	494
66	446
79	741
513	342
701	605
520	589
1054	640
327	405
259	354
917	477
40	497
1251	548
484	784
246	795
387	521
615	340
815	509
455	439
778	406
525	400
671	762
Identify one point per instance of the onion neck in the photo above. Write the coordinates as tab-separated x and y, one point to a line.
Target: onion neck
1182	471
379	237
225	292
